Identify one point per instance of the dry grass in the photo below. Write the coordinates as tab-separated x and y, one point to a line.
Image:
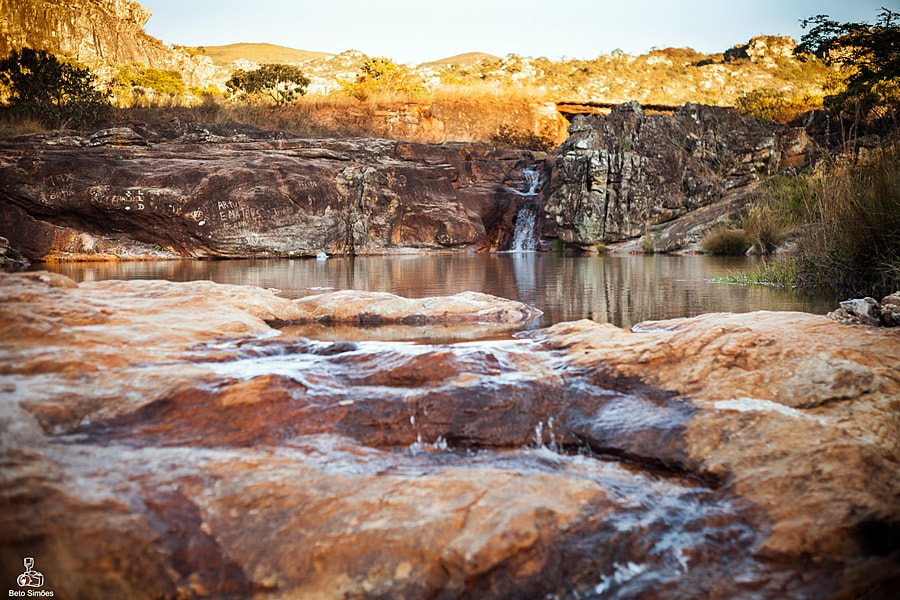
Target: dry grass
12	125
848	222
503	115
725	241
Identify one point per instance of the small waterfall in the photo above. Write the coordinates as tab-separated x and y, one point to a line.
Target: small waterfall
532	178
523	234
524	239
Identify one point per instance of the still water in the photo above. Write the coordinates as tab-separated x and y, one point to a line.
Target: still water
622	290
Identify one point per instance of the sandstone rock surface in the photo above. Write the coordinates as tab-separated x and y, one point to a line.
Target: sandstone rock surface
207	191
380	308
104	34
161	440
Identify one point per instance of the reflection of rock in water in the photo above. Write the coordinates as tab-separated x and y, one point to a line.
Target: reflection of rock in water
705	457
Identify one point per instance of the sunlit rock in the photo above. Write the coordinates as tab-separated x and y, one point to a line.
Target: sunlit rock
161	440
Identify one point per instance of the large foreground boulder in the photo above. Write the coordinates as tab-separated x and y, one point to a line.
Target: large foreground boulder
161	440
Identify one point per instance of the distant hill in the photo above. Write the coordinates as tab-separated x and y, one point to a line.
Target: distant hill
467	59
260	53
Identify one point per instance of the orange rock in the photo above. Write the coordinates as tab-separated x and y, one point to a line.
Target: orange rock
160	440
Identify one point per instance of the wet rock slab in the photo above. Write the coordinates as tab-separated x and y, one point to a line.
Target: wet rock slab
161	440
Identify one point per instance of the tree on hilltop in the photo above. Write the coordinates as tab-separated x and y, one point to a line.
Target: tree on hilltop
868	58
56	92
282	84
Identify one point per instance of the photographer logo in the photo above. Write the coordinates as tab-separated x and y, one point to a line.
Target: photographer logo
32	581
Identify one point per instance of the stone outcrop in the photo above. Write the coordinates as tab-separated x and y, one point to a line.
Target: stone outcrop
868	311
103	34
624	175
189	190
10	259
380	308
161	440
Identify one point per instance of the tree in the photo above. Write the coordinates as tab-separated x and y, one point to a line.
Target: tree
382	75
282	84
57	93
868	59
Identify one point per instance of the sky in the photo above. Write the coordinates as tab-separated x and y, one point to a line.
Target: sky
423	30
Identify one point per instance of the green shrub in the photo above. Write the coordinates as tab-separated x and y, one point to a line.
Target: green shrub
850	243
58	93
282	84
726	241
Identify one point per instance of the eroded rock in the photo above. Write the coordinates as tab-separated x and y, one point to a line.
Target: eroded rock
160	440
623	175
197	191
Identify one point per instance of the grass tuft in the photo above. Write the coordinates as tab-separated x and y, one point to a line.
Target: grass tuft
726	241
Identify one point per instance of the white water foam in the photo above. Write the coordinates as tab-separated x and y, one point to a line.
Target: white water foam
524	239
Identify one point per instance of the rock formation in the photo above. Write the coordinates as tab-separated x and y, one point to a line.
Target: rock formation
103	34
868	311
161	440
379	308
622	175
186	190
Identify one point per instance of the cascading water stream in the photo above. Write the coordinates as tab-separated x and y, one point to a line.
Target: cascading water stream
524	239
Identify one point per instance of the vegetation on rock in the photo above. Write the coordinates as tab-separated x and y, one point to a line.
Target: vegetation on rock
847	230
726	241
846	216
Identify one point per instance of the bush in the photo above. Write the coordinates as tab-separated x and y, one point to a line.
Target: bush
726	241
136	84
58	93
851	243
383	76
775	105
282	84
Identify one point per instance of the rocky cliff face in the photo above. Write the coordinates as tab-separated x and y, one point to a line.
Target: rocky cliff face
620	176
159	440
181	188
196	192
103	34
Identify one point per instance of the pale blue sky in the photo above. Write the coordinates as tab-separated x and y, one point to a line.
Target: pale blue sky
422	30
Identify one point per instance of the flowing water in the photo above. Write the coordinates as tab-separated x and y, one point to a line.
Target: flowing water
622	290
524	239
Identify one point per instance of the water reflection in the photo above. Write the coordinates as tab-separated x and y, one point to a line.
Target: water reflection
622	290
